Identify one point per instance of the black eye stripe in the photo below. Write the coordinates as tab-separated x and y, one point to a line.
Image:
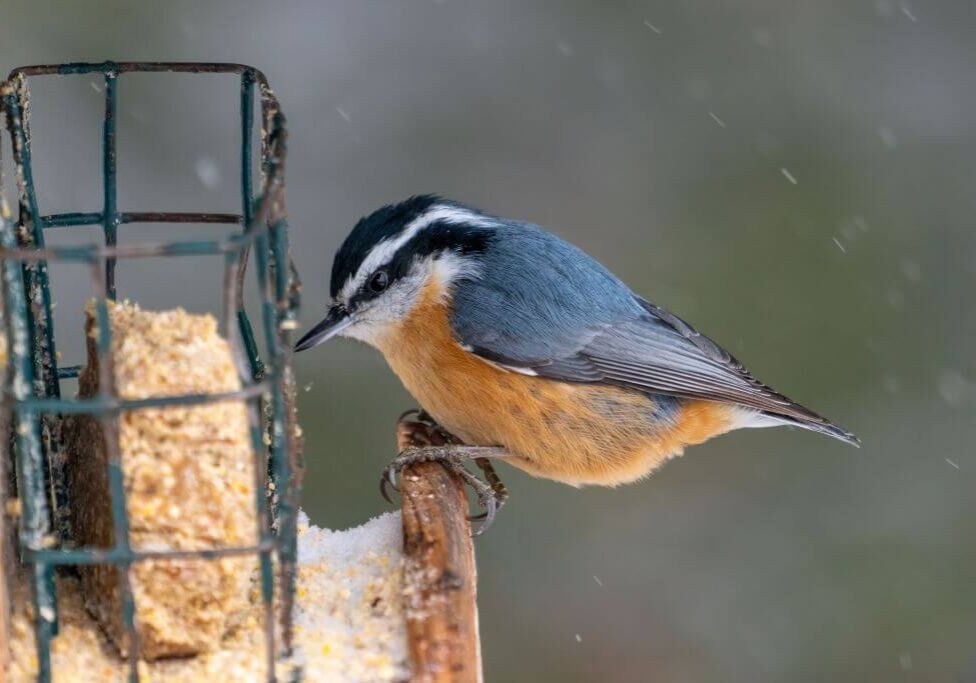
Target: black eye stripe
384	223
435	239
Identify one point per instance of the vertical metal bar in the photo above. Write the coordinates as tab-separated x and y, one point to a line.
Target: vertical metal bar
280	464
228	316
110	214
32	345
35	519
109	422
40	319
279	257
254	413
250	346
7	550
273	284
269	109
247	146
247	215
282	442
257	367
264	533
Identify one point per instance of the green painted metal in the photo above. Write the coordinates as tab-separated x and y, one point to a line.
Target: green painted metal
247	206
32	391
35	521
110	218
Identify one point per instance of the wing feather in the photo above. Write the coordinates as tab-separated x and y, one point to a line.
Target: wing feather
593	328
661	353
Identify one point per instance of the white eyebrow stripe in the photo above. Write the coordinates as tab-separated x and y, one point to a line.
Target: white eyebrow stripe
385	250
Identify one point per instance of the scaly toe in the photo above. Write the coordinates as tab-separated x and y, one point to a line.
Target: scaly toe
491	495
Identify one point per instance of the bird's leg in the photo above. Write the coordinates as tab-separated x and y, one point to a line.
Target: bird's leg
423	440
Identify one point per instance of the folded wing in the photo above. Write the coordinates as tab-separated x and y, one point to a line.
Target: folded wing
592	328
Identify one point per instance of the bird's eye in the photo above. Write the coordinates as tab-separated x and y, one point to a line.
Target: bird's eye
379	281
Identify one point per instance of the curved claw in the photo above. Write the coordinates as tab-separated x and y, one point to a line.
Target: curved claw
491	495
388	480
426	418
491	507
406	413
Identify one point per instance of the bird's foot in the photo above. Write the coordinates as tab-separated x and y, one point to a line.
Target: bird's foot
498	490
423	440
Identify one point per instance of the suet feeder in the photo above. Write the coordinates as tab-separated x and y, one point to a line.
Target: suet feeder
179	461
40	415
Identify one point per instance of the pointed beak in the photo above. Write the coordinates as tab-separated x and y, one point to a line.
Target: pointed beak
335	322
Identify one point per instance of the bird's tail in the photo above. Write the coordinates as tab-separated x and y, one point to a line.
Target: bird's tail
819	425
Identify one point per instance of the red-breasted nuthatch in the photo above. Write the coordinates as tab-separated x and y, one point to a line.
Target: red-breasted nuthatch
509	337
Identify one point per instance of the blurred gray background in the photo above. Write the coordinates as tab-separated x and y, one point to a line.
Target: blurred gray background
796	179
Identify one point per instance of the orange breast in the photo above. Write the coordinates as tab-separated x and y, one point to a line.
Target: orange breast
572	432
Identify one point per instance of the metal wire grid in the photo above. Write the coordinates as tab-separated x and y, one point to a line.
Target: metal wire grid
32	394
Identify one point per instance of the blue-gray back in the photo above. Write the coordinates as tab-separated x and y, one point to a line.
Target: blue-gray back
537	296
543	306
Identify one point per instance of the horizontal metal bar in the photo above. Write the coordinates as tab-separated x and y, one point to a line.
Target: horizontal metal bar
179	217
91	253
122	555
67	220
133	67
69	371
259	226
103	405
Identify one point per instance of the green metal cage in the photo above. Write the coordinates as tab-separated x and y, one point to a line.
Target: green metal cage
32	396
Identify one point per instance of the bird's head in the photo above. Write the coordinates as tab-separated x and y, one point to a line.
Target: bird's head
388	258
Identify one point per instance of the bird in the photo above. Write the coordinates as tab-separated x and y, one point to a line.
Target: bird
526	349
